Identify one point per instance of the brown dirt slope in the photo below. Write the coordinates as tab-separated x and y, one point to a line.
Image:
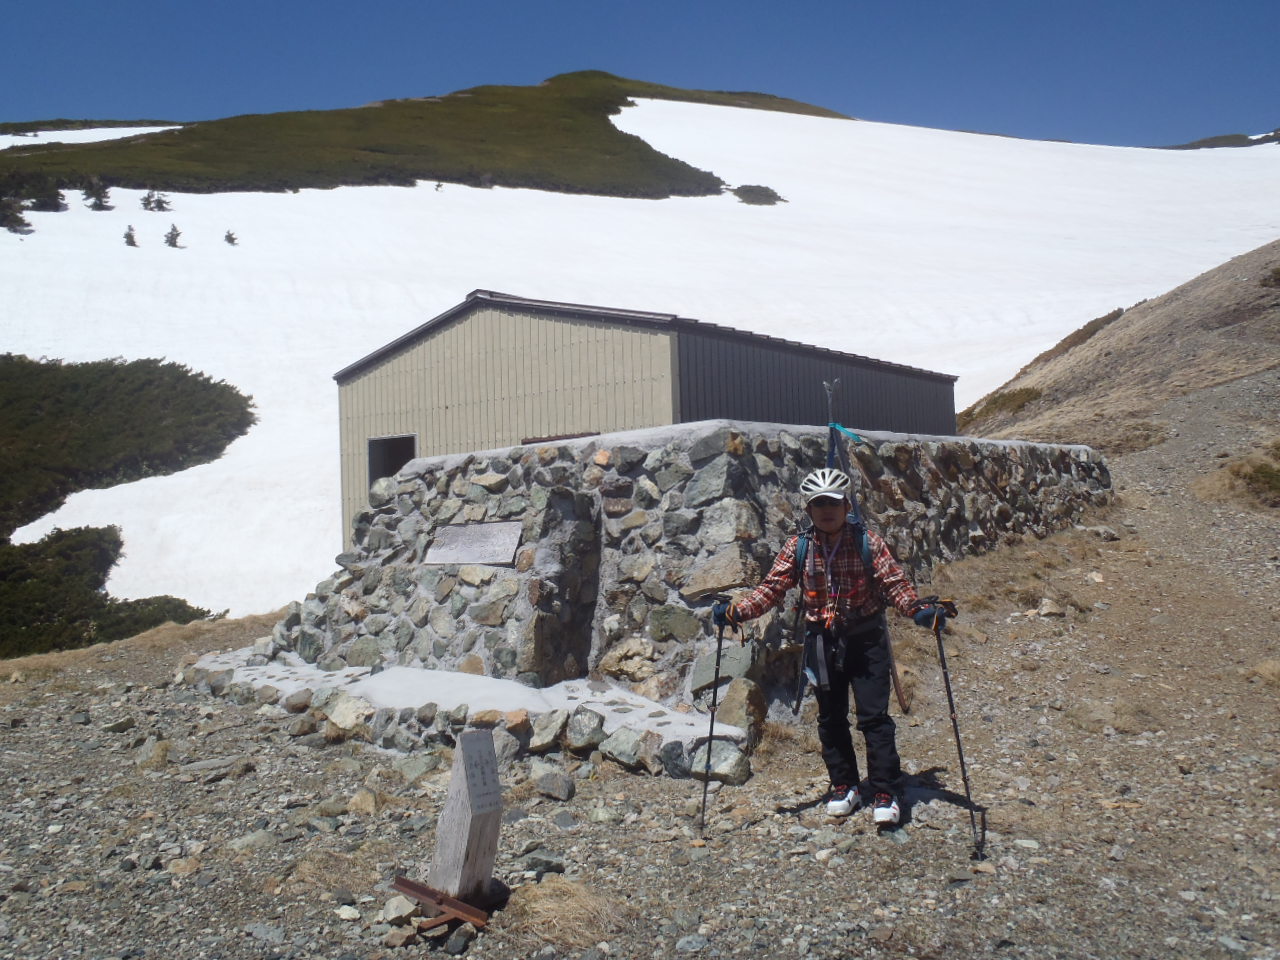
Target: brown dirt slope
1103	389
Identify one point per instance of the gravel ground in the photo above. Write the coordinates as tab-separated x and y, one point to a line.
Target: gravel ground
1126	755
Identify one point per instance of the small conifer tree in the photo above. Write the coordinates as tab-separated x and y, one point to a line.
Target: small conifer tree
160	203
130	238
172	236
11	217
44	194
96	194
148	199
231	238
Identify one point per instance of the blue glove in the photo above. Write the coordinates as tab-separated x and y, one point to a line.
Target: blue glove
722	615
925	615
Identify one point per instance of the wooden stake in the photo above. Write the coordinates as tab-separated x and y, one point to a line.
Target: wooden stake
467	832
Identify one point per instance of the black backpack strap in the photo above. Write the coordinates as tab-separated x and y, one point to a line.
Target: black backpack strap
803	539
864	550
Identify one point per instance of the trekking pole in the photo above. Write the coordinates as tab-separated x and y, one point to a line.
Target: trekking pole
711	732
830	387
978	841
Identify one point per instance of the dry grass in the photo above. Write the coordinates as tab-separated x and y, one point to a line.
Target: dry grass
1252	479
526	789
1015	577
327	869
1268	671
159	651
786	740
563	913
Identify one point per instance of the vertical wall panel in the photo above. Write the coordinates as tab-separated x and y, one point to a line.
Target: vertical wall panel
727	375
499	374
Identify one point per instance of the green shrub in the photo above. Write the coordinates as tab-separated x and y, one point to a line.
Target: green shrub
96	195
757	195
11	217
52	597
1077	337
75	426
78	426
1263	481
1007	402
1261	474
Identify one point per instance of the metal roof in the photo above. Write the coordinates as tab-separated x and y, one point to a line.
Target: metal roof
632	317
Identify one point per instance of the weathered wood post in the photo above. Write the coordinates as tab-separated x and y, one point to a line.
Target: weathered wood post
467	832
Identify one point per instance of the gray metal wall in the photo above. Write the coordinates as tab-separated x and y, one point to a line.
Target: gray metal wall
498	375
722	376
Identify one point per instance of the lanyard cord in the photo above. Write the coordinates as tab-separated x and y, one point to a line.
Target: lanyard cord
828	559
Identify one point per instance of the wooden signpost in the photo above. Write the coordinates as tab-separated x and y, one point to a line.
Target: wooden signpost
467	832
466	835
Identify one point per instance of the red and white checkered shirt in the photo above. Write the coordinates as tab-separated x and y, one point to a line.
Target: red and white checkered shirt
852	593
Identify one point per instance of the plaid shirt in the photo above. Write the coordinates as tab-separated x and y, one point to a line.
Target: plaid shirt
855	595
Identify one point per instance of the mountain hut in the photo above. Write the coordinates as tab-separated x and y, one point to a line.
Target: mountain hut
498	370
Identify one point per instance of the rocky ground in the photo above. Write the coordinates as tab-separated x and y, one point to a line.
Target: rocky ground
1126	754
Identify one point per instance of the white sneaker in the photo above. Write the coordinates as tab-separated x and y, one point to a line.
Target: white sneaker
842	800
886	810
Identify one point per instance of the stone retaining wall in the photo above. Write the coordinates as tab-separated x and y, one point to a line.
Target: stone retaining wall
625	536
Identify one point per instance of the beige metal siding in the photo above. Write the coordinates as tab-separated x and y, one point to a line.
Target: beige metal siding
498	375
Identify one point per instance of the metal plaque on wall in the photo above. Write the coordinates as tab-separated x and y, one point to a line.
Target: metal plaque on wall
490	543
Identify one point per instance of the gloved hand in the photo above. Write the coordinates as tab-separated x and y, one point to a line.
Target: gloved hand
722	615
924	617
931	607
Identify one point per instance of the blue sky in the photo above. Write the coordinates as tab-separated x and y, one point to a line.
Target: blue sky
1126	72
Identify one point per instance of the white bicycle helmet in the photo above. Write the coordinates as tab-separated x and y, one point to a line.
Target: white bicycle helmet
825	483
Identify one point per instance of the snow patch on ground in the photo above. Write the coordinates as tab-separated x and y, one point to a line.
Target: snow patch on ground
97	135
398	688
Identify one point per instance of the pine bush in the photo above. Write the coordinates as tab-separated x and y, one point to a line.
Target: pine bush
757	195
52	596
11	217
78	426
96	194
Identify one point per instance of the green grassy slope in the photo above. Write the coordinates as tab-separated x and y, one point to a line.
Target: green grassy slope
554	136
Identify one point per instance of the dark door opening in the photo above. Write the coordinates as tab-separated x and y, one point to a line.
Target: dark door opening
389	454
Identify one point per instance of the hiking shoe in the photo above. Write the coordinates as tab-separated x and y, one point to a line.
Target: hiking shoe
842	800
885	812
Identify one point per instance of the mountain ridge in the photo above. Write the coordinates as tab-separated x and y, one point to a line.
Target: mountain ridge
1220	326
553	136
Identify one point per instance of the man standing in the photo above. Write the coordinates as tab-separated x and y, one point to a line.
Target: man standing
846	639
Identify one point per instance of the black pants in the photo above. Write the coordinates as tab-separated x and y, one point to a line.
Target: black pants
860	660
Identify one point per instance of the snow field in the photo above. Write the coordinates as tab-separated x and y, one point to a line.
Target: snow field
955	252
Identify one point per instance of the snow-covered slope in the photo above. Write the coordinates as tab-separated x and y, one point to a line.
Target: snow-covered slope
951	251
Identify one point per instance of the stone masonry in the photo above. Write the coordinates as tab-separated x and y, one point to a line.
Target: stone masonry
624	538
